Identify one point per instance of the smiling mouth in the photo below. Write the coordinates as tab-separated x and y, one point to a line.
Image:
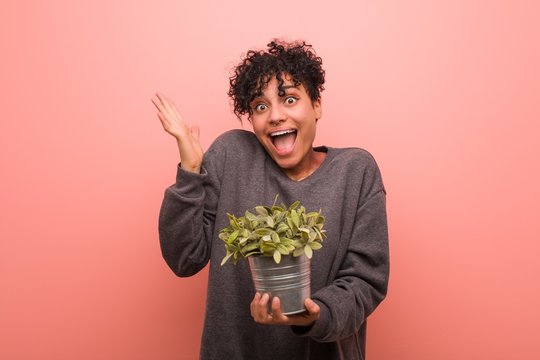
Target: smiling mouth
283	140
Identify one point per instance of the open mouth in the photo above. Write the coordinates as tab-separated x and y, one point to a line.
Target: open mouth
283	140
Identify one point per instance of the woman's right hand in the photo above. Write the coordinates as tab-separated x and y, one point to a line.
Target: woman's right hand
187	137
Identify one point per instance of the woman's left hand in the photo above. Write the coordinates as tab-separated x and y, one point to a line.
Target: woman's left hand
259	312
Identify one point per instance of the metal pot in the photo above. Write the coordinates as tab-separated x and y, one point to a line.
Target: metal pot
289	280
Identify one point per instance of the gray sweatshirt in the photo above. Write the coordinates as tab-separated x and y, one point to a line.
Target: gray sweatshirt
349	275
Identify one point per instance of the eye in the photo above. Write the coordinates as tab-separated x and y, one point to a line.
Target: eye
260	107
289	100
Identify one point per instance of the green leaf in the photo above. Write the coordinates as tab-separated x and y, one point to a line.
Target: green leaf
294	218
250	216
277	256
232	237
282	227
298	252
226	258
263	231
308	251
242	240
261	210
279	216
294	205
298	244
275	237
315	245
319	234
290	223
312	236
306	230
250	247
268	247
282	249
253	252
270	221
233	221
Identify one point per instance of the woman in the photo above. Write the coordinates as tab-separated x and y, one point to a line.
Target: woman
278	90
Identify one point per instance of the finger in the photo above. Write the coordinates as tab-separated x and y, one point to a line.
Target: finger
262	315
165	102
263	303
170	127
174	109
160	98
170	106
277	314
157	104
161	118
254	303
164	121
258	302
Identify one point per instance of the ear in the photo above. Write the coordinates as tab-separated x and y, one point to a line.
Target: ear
317	106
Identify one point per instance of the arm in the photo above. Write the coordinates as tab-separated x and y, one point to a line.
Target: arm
361	282
338	310
186	218
185	227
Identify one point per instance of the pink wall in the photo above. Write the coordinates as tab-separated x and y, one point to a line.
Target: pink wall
445	94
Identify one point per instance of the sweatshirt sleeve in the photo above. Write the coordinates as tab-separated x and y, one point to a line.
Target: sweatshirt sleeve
362	279
186	219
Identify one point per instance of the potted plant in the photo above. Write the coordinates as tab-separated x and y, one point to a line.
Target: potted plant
278	242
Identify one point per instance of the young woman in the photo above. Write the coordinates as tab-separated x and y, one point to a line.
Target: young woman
278	90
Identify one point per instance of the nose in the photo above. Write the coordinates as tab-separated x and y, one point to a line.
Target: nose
277	115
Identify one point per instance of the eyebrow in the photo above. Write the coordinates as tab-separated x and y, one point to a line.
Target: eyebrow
284	87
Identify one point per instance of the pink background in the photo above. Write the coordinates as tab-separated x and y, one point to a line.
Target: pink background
445	94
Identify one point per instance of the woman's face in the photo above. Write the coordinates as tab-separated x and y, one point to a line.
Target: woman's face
286	126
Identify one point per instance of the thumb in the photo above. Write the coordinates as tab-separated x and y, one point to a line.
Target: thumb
311	306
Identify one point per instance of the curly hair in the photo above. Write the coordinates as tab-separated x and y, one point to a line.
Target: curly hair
252	74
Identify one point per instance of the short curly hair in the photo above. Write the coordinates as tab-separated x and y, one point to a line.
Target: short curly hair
257	68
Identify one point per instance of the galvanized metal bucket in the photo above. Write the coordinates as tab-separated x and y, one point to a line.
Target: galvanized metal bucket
289	280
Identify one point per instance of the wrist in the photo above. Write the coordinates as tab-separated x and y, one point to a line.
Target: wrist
192	168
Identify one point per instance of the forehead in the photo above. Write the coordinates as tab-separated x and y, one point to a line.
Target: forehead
272	87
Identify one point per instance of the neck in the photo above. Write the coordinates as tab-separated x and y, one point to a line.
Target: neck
315	161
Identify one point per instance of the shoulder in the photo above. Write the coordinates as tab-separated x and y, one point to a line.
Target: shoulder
355	158
358	166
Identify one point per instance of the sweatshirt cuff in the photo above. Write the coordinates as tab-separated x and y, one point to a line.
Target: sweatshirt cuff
188	182
318	330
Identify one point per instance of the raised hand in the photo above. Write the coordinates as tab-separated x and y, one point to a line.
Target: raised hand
187	137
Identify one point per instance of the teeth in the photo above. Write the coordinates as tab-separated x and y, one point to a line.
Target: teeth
283	132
